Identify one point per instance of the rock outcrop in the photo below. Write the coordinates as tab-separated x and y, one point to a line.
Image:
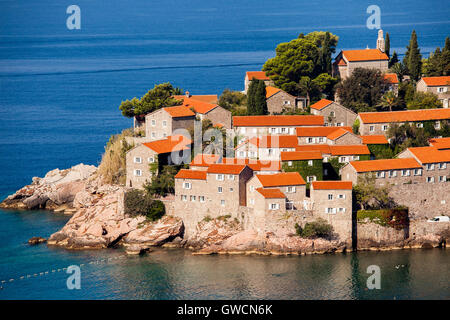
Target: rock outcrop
57	189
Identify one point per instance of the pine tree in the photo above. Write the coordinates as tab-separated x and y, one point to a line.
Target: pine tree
393	60
413	58
387	44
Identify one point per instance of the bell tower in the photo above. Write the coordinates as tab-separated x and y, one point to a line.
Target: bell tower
380	41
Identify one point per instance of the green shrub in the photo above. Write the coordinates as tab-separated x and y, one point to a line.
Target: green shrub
397	218
207	218
139	203
316	229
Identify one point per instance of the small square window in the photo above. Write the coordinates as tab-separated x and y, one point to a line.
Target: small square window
137	160
222	203
330	197
372	128
310	163
219	189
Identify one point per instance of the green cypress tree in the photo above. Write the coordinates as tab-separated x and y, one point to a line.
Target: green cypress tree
393	60
387	45
413	58
260	99
251	97
445	58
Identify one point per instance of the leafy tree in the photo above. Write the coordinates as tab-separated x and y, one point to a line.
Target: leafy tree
424	100
231	100
387	44
163	183
393	60
370	196
306	56
160	96
138	202
438	64
413	58
362	90
324	83
399	69
307	86
389	101
315	229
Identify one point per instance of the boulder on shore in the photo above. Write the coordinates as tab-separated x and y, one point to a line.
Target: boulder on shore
36	240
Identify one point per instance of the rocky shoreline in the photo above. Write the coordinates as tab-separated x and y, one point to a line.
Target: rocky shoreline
99	221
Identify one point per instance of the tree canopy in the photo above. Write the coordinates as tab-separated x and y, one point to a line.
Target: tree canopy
362	91
413	58
160	96
307	56
438	64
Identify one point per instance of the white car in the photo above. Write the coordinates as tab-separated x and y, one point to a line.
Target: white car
439	219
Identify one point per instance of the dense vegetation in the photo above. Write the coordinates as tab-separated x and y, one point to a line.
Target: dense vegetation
256	98
140	203
397	218
370	196
316	229
160	96
234	101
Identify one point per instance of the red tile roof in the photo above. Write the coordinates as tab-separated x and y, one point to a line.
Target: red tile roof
332	185
430	154
258	75
319	105
271	193
375	139
281	141
270	91
338	133
318	131
179	111
199	106
301	155
255	165
391	78
385	164
226	168
208	98
340	150
405	116
170	144
191	174
204	160
281	179
324	148
364	55
342	62
437	81
277	121
440	143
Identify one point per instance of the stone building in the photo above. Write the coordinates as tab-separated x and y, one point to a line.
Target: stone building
163	122
392	80
308	163
146	159
289	186
279	101
254	126
377	123
332	201
333	113
440	86
385	171
344	153
348	60
435	163
266	147
256	75
327	135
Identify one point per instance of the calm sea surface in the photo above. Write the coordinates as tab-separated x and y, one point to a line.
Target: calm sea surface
59	97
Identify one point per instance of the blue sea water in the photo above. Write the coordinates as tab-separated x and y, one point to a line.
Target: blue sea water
59	95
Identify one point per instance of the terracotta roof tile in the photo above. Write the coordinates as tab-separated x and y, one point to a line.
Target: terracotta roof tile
301	155
271	193
319	131
324	148
364	55
280	141
440	143
341	62
341	150
170	144
199	106
179	111
332	185
281	179
208	98
226	168
255	165
437	81
375	139
191	174
430	154
338	133
405	116
385	164
258	75
319	105
391	78
270	91
204	160
277	121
